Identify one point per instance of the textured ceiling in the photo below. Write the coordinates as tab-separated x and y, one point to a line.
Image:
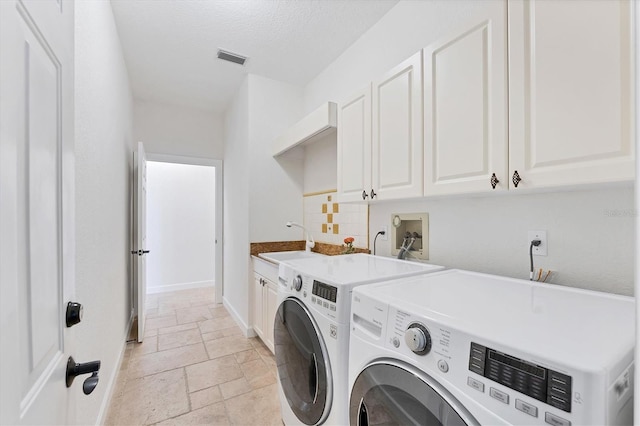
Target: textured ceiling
170	46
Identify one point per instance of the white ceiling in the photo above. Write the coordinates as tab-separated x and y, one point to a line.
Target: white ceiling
170	46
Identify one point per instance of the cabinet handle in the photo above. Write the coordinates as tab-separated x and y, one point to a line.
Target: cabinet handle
494	181
373	194
364	194
516	178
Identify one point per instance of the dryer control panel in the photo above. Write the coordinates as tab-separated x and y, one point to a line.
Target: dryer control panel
325	291
538	382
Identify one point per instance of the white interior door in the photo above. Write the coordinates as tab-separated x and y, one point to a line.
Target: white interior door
37	211
140	239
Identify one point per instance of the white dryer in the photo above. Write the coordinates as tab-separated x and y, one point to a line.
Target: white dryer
311	331
458	347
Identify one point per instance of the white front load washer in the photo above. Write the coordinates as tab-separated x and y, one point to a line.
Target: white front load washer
311	331
457	347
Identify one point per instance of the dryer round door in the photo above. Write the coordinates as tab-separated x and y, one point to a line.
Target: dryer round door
389	392
303	363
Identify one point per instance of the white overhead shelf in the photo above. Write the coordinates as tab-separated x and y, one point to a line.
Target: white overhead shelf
317	125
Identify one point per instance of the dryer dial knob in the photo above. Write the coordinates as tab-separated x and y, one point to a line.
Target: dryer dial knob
297	283
418	339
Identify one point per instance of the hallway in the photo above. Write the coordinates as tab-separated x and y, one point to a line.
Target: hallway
194	367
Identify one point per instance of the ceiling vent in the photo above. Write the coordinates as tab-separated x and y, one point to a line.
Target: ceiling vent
231	57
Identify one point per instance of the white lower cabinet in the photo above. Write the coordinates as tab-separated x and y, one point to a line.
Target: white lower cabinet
270	299
265	300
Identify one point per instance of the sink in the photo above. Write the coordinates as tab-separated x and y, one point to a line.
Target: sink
281	256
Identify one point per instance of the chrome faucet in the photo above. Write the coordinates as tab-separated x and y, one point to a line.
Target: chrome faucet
309	244
407	243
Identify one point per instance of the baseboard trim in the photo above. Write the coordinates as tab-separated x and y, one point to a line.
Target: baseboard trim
180	286
106	403
246	330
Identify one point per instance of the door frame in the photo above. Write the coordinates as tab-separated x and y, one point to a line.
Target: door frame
217	164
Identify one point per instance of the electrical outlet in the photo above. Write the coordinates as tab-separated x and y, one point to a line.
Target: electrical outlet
540	250
384	237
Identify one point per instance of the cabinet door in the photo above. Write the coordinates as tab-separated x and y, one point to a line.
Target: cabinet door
465	105
570	92
270	308
354	147
397	145
258	305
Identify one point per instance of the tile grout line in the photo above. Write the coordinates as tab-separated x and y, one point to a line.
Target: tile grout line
262	356
186	387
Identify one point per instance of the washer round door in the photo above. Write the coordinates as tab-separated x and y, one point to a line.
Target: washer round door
303	363
390	393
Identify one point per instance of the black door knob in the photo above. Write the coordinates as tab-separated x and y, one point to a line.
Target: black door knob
139	252
74	313
90	384
75	369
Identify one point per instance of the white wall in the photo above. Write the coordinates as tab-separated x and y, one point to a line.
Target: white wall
321	165
275	191
103	147
260	193
404	30
589	232
178	130
236	207
486	233
180	226
636	402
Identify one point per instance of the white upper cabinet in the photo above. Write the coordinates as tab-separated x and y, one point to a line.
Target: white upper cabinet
570	92
354	147
397	145
526	94
465	107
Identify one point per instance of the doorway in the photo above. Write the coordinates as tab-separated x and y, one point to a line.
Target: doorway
184	224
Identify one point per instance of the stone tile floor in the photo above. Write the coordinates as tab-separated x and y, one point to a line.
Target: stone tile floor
194	367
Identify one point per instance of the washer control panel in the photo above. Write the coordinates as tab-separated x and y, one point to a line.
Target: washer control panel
418	339
538	382
297	283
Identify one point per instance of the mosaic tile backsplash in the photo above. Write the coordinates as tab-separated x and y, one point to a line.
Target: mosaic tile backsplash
331	222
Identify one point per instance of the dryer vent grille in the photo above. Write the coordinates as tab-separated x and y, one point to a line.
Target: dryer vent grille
231	57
